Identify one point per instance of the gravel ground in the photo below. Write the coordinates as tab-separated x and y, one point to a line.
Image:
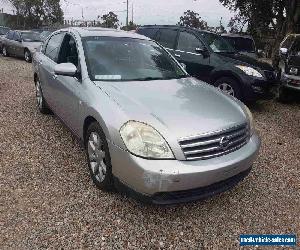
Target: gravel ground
47	199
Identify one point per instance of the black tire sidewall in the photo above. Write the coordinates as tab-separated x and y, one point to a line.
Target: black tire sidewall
44	107
107	183
30	58
233	83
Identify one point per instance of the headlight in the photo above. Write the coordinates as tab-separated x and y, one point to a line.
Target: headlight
293	71
250	120
143	140
250	71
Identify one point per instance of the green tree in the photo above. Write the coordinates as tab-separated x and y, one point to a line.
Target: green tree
260	16
36	13
110	20
192	19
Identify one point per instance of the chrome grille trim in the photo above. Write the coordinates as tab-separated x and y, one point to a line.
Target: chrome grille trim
208	146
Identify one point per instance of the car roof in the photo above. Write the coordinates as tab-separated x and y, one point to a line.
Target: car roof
95	31
177	26
237	35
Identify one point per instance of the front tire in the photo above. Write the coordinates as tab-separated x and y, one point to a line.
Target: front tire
229	86
98	157
27	56
41	103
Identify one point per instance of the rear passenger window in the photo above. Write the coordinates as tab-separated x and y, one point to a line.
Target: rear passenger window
188	42
17	36
53	46
10	35
148	32
167	37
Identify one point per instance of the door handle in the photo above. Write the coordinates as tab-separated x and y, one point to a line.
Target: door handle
178	56
54	77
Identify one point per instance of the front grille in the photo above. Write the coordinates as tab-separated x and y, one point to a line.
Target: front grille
213	145
270	75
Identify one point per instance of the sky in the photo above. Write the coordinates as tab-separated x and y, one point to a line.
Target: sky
145	11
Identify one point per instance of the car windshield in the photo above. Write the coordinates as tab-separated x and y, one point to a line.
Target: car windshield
217	43
45	34
3	30
241	44
31	37
128	59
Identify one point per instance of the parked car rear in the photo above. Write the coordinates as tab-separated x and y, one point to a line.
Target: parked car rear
209	57
289	66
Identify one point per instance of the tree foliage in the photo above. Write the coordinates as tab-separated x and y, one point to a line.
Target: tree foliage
261	16
38	12
192	19
110	20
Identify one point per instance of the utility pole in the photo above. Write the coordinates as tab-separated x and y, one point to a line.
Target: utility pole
127	17
132	14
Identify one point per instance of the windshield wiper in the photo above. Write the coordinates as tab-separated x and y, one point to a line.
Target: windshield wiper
148	78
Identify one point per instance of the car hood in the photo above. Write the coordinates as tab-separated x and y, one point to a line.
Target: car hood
182	107
240	59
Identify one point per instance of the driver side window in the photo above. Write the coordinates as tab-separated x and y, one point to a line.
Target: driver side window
188	42
69	52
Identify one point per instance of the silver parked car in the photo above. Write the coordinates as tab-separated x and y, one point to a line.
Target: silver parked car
148	127
21	44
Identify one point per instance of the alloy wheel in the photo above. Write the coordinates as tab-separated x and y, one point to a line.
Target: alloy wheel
4	52
227	88
96	156
38	93
27	56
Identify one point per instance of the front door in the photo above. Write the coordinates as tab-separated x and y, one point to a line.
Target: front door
66	88
197	64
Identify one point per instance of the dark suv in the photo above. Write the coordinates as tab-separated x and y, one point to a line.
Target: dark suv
210	58
289	66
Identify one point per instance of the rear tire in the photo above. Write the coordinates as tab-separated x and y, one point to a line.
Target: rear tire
284	95
98	157
4	52
229	86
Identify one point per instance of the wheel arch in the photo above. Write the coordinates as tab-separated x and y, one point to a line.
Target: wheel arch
220	74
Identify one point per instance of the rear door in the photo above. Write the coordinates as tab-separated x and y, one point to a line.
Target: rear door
47	61
8	42
17	43
167	38
197	64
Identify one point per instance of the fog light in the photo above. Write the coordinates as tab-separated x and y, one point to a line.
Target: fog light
294	71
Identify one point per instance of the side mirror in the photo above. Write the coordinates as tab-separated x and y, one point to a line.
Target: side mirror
183	66
202	51
283	51
65	69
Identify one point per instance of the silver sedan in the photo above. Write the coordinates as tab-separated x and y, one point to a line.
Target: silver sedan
149	129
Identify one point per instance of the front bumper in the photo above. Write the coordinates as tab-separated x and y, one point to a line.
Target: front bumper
152	178
291	82
259	88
